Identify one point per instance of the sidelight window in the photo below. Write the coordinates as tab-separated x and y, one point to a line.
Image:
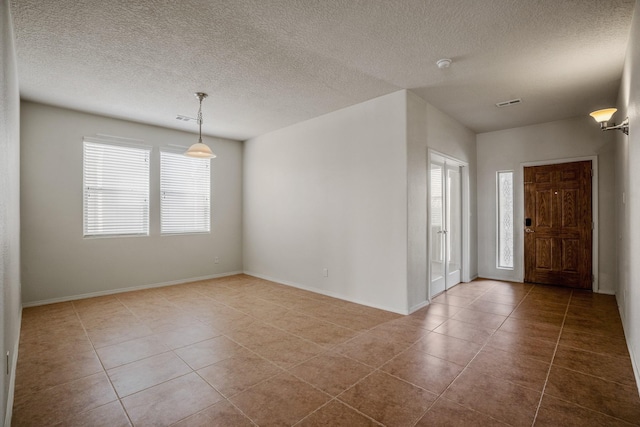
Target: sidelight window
505	219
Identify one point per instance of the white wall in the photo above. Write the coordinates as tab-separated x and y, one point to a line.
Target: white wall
563	139
428	127
331	193
9	209
57	262
627	196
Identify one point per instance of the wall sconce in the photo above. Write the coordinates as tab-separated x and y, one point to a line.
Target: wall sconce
603	117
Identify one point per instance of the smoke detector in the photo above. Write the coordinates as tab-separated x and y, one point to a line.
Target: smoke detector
443	63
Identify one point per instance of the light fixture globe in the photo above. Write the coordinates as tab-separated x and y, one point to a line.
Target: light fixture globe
199	149
603	115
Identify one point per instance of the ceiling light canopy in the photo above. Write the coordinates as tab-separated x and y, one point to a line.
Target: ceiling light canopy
603	117
199	149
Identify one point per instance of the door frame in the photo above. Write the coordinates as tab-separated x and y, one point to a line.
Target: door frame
519	234
465	218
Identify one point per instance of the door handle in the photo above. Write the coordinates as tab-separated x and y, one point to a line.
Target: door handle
442	232
528	230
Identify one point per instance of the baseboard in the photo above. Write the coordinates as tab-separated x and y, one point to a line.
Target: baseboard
418	306
635	364
121	290
323	292
12	377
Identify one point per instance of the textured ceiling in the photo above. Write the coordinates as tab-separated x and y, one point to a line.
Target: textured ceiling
267	64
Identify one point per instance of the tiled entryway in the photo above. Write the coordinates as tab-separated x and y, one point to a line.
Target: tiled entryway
244	351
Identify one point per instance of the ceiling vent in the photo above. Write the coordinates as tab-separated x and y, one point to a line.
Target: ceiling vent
509	103
185	118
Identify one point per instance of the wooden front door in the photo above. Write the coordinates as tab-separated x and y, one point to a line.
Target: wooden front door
558	224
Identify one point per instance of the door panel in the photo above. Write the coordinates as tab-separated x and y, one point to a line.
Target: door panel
446	224
558	245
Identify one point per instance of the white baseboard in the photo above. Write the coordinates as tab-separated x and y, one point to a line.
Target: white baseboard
121	290
323	292
635	363
418	306
12	377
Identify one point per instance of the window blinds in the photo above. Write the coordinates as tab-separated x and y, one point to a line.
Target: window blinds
185	187
116	190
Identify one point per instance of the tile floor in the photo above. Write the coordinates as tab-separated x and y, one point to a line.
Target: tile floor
241	351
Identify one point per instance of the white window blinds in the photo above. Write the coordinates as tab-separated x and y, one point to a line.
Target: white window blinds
185	187
116	190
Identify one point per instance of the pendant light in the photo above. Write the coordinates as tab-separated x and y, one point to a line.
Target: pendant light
199	149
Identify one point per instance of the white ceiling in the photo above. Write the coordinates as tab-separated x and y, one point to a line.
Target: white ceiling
267	64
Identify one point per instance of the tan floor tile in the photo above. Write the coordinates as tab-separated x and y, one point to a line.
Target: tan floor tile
464	331
445	413
117	334
237	373
133	377
52	405
33	375
479	318
610	398
497	398
602	344
331	372
492	307
555	412
281	400
220	414
399	330
109	415
426	371
388	400
448	348
529	347
529	329
208	352
335	413
372	349
456	301
512	367
130	351
598	326
435	309
617	369
185	336
169	402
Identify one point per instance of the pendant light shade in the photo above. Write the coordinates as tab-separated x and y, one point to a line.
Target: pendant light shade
200	149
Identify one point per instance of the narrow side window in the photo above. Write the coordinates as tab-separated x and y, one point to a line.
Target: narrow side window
505	219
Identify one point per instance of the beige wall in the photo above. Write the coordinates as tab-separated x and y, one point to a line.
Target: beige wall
9	210
627	195
58	263
330	193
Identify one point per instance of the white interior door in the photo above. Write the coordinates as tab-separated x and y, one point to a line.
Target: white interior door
445	224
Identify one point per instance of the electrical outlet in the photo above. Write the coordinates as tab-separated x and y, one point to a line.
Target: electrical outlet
216	260
325	272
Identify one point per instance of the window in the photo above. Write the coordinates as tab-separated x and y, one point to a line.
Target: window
116	189
505	219
185	187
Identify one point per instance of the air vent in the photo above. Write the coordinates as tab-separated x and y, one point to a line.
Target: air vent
185	118
508	103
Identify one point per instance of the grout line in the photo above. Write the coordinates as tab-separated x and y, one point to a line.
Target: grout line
555	350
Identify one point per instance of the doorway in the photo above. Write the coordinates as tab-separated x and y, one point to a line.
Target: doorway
558	236
445	223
